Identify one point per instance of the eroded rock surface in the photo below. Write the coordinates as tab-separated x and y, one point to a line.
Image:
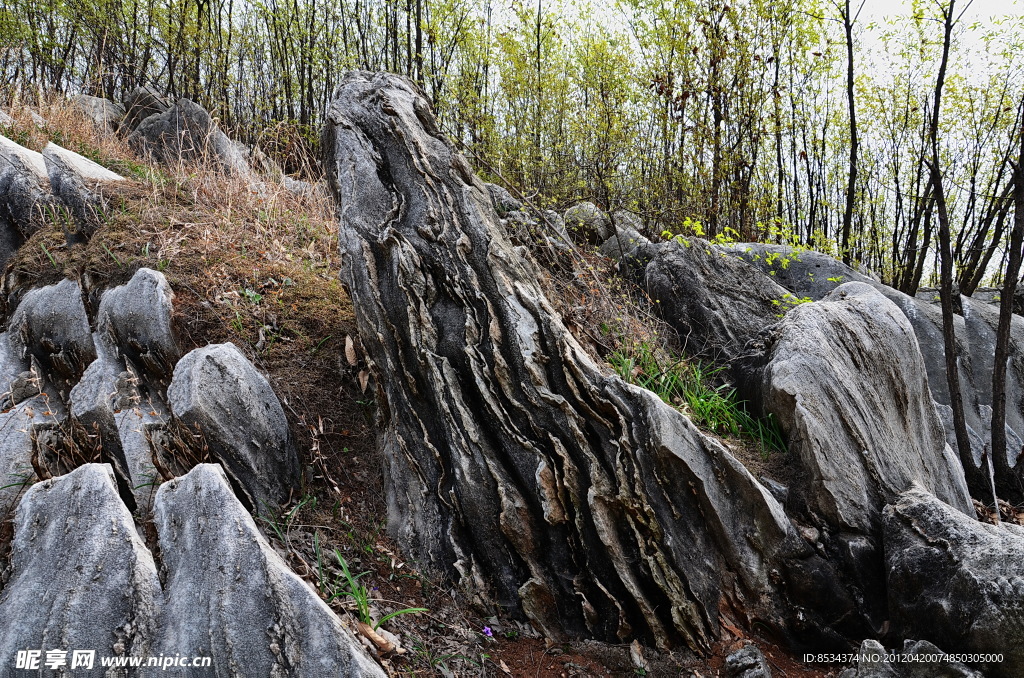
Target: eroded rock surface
79	184
955	581
845	379
716	303
82	577
229	595
24	195
813	275
587	224
217	389
141	103
515	464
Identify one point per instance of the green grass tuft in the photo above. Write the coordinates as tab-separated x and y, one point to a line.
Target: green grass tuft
689	385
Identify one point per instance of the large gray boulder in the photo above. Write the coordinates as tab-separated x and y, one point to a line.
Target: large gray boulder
141	103
503	200
217	390
981	322
120	396
136	317
955	581
51	324
847	383
811	274
103	113
229	596
804	272
81	576
587	224
185	132
716	303
623	241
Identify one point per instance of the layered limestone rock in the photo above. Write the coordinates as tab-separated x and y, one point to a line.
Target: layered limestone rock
515	464
82	578
24	195
229	596
848	385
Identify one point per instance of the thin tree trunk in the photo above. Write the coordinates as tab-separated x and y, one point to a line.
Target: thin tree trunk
946	291
1004	468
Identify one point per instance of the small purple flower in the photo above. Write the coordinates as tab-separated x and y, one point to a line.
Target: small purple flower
488	632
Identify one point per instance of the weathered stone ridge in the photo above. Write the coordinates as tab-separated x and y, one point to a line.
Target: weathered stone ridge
516	464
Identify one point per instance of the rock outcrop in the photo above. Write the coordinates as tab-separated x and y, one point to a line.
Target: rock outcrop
229	596
82	577
218	392
587	224
141	103
956	582
79	185
103	113
515	464
185	132
813	275
716	303
848	385
24	195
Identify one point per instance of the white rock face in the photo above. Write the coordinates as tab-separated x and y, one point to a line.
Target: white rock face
32	160
86	169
